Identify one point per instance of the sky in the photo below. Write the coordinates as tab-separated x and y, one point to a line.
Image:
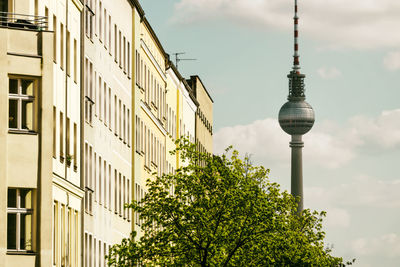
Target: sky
350	53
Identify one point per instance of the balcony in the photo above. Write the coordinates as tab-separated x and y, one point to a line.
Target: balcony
22	21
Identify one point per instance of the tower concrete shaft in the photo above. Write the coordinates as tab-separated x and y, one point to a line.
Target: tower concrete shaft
297	170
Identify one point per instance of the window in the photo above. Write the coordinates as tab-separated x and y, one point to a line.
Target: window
129	60
115	43
105	103
99	182
129	128
19	220
89	14
68	54
115	191
109	33
100	22
120	195
61	137
105	184
105	28
109	186
75	155
67	148
55	233
54	132
124	54
124	196
115	115
95	20
120	49
119	120
109	109
22	103
141	138
89	96
75	61
99	99
61	46
124	124
55	38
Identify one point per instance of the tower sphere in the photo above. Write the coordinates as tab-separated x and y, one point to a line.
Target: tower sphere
296	117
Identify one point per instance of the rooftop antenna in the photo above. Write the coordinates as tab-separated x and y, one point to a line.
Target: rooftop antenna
178	59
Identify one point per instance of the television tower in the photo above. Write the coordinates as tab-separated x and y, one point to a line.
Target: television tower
296	117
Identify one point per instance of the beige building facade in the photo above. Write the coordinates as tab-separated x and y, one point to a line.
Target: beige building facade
204	115
41	71
107	128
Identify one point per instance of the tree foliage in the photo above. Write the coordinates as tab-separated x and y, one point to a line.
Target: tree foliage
223	211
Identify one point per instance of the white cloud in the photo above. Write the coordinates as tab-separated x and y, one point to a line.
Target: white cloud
339	218
343	23
392	61
360	192
328	145
263	139
380	132
387	245
329	73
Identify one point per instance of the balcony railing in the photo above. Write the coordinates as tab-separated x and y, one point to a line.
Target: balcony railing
21	21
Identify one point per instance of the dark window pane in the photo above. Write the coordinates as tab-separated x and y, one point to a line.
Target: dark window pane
27	115
13	114
11	231
26	198
13	86
26	232
12	198
4	6
27	87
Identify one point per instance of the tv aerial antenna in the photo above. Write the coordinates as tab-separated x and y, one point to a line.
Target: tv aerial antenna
178	58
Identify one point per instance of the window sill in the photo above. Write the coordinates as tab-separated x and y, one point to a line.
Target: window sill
23	253
16	131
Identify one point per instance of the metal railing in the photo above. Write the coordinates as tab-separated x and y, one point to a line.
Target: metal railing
22	21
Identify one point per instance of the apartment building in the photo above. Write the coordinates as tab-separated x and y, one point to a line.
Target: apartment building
40	54
150	108
166	108
181	110
92	109
107	129
204	115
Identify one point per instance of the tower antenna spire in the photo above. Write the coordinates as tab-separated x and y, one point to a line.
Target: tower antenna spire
296	56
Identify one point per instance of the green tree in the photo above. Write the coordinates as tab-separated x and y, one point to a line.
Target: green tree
223	211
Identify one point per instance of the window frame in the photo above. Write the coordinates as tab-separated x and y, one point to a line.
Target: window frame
20	98
18	211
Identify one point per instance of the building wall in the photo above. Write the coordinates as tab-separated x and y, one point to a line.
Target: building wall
150	108
64	20
204	115
104	56
108	130
26	158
